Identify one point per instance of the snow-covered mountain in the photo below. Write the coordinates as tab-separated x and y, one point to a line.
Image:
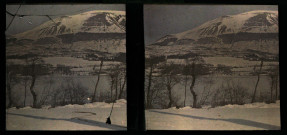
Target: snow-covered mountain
99	31
89	22
254	30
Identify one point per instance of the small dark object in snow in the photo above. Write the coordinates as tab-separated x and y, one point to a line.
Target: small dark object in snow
108	121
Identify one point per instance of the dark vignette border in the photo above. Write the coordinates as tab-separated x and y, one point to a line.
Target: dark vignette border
135	64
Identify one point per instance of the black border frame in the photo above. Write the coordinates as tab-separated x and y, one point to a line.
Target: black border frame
135	64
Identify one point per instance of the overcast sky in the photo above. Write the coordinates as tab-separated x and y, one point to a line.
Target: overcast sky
26	23
161	20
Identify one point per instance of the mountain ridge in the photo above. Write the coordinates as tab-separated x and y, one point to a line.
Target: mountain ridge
97	21
91	34
246	22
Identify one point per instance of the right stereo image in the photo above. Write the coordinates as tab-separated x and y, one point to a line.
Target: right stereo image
212	67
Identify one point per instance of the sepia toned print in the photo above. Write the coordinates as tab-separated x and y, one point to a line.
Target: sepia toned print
211	67
65	67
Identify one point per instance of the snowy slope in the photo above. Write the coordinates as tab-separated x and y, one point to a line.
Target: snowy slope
90	116
256	116
260	21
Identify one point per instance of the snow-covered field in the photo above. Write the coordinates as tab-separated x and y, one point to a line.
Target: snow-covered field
256	116
90	116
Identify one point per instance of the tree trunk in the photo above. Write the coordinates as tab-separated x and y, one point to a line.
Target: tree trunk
71	96
112	90
96	86
185	91
271	89
63	100
149	88
258	79
122	88
25	95
9	90
232	95
193	92
116	88
169	96
276	87
33	92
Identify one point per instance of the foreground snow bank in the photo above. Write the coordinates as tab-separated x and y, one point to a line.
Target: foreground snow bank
256	116
90	116
118	103
251	105
254	105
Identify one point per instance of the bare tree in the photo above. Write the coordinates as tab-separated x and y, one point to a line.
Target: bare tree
273	74
25	81
185	72
170	79
240	94
156	94
34	75
276	81
160	97
70	91
196	68
80	92
122	85
11	80
96	86
230	92
46	92
112	85
36	68
114	73
150	65
258	79
104	96
206	93
276	87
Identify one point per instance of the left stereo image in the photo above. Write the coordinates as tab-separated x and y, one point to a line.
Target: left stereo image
66	67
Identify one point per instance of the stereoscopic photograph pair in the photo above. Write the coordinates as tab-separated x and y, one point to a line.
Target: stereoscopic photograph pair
207	67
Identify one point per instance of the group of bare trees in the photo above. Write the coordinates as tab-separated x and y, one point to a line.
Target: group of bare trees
11	80
230	92
117	74
161	77
33	68
70	90
273	75
152	89
169	75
